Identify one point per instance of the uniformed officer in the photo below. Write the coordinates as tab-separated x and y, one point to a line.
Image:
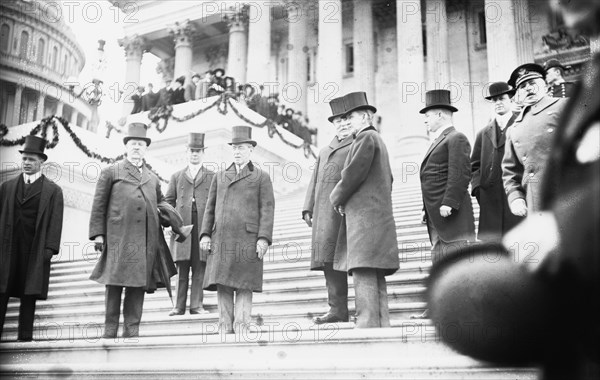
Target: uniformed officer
558	87
529	139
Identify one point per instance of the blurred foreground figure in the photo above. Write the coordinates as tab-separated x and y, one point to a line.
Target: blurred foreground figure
544	310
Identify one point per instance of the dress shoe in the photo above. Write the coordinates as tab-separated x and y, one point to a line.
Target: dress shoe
329	318
199	311
176	312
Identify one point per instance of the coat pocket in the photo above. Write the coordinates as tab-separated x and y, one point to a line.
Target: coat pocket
251	227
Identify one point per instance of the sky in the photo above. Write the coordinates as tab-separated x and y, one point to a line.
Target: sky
94	20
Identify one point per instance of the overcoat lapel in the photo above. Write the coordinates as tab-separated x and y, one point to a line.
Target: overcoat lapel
44	200
437	142
336	145
134	174
491	132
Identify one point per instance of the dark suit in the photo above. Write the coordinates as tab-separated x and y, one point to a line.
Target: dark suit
326	222
149	101
562	90
31	225
571	191
188	195
495	217
137	103
445	175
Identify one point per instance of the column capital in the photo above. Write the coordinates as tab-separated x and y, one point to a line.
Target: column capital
134	46
182	32
237	18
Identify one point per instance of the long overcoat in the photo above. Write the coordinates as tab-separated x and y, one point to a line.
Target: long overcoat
182	189
325	221
495	217
48	230
125	212
239	210
528	143
368	234
445	175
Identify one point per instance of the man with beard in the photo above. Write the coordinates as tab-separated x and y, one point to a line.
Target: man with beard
495	217
529	139
318	213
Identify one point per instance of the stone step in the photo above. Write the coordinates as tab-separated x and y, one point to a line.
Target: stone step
287	353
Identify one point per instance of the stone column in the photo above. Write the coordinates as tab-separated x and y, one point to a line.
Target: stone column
17	106
59	108
329	66
30	108
134	49
295	91
364	49
508	33
40	106
411	71
182	33
259	42
238	46
73	120
438	70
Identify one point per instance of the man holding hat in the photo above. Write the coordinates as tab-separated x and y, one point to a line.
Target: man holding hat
495	218
125	225
318	213
558	87
31	214
445	175
529	139
238	229
187	192
367	247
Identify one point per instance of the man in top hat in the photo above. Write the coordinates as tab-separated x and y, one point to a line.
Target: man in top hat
150	98
558	87
445	175
125	225
238	229
529	139
495	217
367	247
187	192
31	214
318	213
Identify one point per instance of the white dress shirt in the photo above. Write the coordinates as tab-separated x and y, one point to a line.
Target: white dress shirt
502	120
434	135
31	178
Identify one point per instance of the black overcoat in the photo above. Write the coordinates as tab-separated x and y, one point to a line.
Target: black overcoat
48	229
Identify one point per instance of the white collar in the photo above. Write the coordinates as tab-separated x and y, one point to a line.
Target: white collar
194	169
240	168
502	120
434	135
32	177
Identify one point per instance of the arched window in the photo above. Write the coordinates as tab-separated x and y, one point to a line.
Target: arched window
4	37
23	53
41	50
54	57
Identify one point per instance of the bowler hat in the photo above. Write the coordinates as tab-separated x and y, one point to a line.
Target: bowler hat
438	99
137	131
355	101
526	72
553	62
500	88
181	80
337	108
34	144
220	70
241	134
196	140
486	306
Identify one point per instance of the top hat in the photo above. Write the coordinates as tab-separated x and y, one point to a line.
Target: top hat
196	140
34	144
500	88
355	101
137	131
526	72
181	80
438	99
215	71
241	134
553	62
337	108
